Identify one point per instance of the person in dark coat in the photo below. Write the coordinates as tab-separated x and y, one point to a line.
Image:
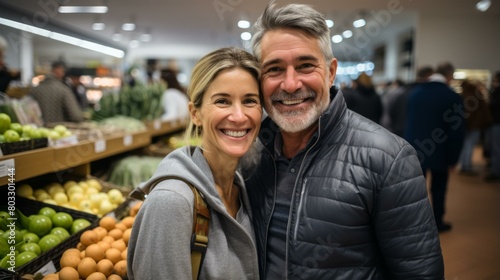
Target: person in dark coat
494	133
363	99
435	126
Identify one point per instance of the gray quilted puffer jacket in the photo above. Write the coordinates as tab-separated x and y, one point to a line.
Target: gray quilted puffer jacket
360	208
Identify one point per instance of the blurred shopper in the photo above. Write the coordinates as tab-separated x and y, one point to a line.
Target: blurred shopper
6	76
391	92
225	112
363	99
397	109
477	118
56	101
334	195
494	133
73	76
174	99
436	129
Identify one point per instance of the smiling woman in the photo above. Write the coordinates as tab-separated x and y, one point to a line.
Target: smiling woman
225	112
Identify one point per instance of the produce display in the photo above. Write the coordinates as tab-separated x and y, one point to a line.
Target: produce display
141	102
13	132
86	196
35	234
130	171
101	253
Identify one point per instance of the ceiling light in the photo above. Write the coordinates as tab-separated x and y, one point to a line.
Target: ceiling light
337	39
243	24
483	5
83	9
245	36
347	34
329	23
63	38
98	26
128	26
359	23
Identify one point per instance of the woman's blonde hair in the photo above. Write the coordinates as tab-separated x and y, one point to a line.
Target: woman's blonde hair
207	69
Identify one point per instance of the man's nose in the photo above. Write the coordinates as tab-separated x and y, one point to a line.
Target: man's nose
291	80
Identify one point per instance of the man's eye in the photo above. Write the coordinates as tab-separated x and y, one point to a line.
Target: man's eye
306	66
272	70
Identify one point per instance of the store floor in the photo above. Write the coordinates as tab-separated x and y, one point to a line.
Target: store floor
471	249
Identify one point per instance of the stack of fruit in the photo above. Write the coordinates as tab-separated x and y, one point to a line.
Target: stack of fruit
86	196
35	234
11	132
101	253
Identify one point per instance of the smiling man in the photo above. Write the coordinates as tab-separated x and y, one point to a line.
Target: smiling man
334	195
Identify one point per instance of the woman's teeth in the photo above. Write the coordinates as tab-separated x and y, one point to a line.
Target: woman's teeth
233	133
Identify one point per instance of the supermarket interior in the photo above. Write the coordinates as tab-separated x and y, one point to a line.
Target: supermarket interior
66	172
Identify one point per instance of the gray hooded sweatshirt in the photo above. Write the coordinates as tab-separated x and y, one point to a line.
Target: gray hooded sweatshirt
159	246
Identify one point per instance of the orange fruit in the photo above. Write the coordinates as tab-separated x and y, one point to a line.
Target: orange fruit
86	267
115	233
120	226
105	266
114	255
114	277
54	276
70	260
119	244
126	235
121	268
89	237
107	222
104	245
128	221
96	276
95	251
124	254
101	232
108	239
68	273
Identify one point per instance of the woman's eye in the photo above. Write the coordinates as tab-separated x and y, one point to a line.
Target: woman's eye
221	101
251	101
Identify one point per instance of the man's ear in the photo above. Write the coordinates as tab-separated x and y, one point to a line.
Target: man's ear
333	70
194	114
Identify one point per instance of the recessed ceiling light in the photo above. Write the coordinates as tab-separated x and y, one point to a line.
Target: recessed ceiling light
483	5
359	23
329	23
243	24
347	34
337	38
245	36
83	9
128	26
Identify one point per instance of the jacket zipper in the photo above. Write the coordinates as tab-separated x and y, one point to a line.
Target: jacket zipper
300	201
270	216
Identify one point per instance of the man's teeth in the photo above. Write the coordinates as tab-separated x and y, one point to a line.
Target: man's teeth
292	102
233	133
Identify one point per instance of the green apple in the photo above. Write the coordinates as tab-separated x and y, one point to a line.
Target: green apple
61	129
11	135
17	127
5	122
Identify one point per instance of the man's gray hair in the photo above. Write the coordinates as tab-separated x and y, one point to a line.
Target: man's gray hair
295	16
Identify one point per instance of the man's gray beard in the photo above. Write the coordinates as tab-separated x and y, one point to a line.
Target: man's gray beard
302	119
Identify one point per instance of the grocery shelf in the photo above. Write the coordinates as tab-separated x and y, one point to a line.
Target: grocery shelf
38	162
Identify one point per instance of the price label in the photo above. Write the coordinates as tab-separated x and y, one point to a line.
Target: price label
157	124
5	165
100	146
127	140
47	269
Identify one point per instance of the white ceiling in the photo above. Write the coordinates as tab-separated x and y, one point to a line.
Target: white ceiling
190	28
